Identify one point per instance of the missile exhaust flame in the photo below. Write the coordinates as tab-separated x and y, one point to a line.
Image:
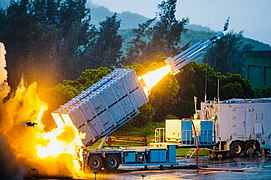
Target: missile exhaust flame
150	79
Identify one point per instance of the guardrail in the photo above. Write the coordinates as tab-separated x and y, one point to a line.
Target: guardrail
125	140
186	137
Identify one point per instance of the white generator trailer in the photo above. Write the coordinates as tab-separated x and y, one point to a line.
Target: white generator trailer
243	126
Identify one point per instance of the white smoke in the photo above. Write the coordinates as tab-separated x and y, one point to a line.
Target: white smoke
4	88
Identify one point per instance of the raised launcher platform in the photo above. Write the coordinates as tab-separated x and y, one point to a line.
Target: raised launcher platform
103	107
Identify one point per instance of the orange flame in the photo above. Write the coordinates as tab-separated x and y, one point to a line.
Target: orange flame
49	152
151	78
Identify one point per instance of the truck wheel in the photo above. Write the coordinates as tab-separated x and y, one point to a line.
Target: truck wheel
251	147
219	156
95	163
112	163
210	156
237	148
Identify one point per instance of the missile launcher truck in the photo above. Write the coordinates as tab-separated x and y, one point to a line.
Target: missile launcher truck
110	103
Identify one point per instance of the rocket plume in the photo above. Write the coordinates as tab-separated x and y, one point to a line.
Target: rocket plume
4	88
152	78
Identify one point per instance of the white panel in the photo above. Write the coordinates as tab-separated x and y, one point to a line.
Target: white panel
58	120
108	95
89	137
95	127
127	106
118	88
105	120
139	98
173	129
97	103
258	128
104	104
116	113
239	120
130	80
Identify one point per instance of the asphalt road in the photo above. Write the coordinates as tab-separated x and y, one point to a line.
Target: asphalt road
215	169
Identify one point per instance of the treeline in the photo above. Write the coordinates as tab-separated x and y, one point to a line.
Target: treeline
50	41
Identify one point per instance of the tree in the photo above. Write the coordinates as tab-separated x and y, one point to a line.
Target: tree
167	32
228	54
263	92
44	39
107	48
162	39
71	88
137	45
235	86
195	78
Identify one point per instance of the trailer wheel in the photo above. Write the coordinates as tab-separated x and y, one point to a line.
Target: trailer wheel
112	163
237	148
95	163
219	156
210	156
251	147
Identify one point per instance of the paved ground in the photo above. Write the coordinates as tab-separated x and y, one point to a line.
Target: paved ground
224	169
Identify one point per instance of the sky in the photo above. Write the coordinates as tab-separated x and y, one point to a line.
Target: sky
251	16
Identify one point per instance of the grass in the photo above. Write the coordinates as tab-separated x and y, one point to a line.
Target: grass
184	151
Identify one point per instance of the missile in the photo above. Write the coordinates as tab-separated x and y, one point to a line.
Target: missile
182	59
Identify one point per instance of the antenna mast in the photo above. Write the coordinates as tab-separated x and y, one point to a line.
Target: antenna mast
205	88
218	98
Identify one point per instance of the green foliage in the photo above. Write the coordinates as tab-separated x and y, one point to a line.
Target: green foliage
170	116
148	129
137	67
163	97
43	38
167	32
145	117
50	40
71	88
195	78
137	45
161	39
263	92
235	86
107	47
90	76
227	55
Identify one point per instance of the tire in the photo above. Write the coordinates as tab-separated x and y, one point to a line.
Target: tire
236	149
112	163
95	163
210	156
252	147
219	156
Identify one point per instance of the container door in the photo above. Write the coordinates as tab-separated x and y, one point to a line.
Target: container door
239	121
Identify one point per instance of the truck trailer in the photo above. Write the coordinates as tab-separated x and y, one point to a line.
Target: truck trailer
229	128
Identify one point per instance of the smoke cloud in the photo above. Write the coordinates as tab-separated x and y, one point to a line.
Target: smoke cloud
4	88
